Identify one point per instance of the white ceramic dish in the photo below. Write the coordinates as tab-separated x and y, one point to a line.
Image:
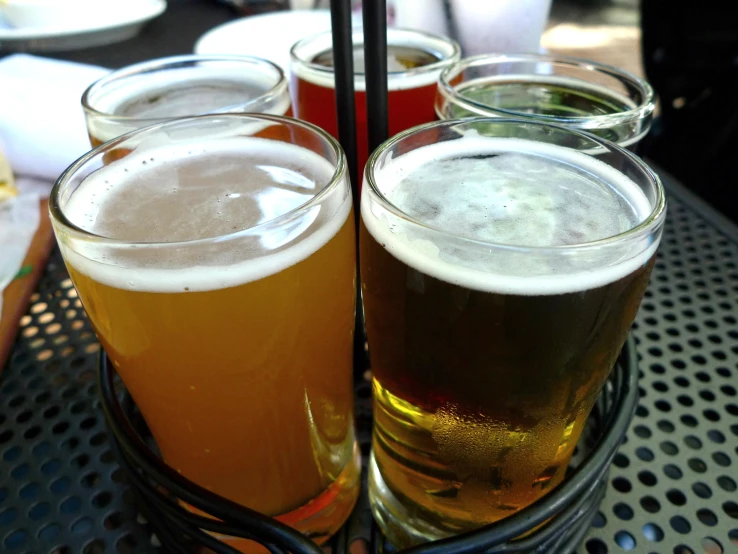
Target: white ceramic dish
269	36
49	13
56	25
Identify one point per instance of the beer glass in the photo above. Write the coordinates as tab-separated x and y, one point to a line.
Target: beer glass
582	94
216	262
415	61
499	26
502	264
154	91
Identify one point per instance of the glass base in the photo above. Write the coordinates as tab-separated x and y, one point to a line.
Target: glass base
321	517
401	525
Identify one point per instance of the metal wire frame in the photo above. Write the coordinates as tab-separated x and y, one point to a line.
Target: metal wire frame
560	518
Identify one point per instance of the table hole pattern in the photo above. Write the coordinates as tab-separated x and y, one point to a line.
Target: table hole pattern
56	495
674	482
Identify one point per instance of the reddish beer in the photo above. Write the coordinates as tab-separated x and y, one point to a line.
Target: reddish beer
414	62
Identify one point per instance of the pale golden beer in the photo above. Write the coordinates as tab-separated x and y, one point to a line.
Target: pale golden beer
501	270
179	86
216	262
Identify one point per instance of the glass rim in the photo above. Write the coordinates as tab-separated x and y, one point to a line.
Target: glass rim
643	109
435	66
172	62
58	216
653	220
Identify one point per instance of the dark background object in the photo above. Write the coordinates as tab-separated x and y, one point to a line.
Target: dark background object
690	54
253	7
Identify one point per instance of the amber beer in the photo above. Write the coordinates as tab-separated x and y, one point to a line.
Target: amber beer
414	62
218	270
180	86
581	94
500	277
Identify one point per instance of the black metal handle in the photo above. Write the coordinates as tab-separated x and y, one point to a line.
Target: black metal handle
565	511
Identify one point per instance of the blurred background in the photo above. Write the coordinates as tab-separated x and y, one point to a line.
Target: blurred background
688	51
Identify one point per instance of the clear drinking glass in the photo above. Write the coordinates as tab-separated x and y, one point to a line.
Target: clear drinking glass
502	266
581	94
216	262
179	86
499	26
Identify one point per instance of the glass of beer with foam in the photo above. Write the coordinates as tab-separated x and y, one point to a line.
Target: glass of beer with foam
414	62
154	91
502	264
216	262
602	99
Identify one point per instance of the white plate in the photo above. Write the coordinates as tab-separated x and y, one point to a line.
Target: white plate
268	36
131	16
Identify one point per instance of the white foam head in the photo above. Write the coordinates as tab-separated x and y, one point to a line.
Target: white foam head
508	215
446	50
204	215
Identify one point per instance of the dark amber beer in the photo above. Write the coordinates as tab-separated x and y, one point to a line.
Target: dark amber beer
218	270
501	272
414	62
180	86
581	94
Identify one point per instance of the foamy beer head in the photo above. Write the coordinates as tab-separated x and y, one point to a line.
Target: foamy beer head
180	86
216	262
607	101
508	205
501	267
233	182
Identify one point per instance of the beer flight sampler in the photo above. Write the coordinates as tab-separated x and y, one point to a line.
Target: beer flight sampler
506	237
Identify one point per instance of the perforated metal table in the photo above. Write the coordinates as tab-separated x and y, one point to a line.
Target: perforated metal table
673	485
